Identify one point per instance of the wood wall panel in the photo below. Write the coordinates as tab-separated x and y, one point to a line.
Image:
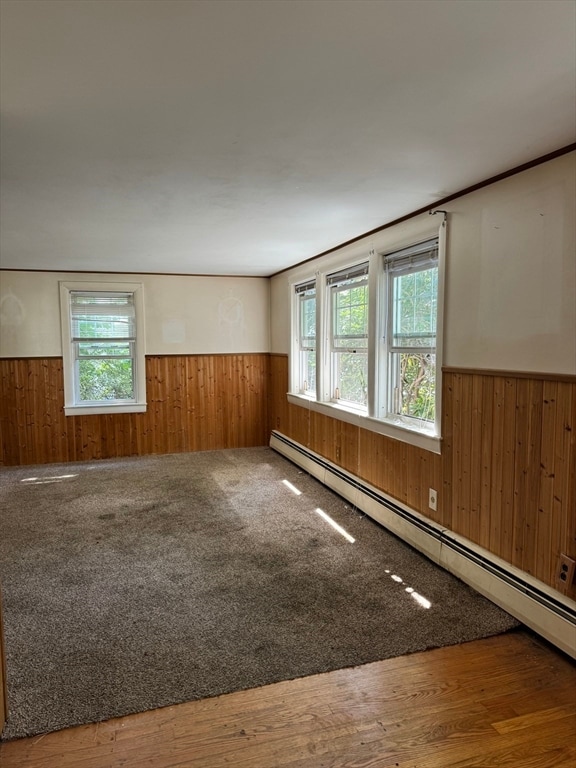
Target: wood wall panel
299	423
325	435
277	389
506	478
196	402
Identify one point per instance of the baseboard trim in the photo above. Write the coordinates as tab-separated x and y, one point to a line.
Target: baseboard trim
532	602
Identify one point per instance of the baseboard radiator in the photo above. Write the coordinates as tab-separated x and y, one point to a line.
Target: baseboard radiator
532	602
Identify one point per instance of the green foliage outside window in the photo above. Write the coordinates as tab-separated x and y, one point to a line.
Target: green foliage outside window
351	315
104	349
418	382
105	379
353	377
308	341
414	325
350	332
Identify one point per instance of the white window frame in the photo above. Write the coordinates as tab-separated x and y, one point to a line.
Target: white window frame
301	345
376	417
405	261
336	283
72	405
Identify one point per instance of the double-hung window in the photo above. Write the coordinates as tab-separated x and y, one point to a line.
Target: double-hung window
348	291
411	319
306	301
368	337
102	348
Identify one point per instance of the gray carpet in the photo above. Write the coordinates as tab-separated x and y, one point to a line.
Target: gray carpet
139	583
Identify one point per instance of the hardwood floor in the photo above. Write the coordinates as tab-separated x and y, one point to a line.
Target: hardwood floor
508	701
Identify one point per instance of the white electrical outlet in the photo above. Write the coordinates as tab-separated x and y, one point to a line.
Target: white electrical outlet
432	498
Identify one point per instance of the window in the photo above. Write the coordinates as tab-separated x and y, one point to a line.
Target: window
412	276
367	338
102	350
349	335
306	298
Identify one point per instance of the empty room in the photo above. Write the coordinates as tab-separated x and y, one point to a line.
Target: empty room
288	383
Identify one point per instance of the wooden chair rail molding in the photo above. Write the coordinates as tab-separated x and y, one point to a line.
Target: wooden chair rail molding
568	377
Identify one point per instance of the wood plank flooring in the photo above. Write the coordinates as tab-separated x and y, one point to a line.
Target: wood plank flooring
506	702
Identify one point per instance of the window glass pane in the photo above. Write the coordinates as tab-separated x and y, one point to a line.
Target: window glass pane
349	300
308	371
415	308
350	315
102	316
413	384
352	377
105	380
102	327
308	321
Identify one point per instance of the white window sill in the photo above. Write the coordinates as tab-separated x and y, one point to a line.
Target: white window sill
93	410
422	438
307	398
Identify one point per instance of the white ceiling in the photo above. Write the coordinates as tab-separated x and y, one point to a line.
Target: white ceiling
243	137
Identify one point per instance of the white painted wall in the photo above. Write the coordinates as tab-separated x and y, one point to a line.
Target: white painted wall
511	285
183	315
510	292
511	273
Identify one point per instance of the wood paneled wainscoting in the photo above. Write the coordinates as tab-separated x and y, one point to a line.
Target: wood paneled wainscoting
195	402
506	474
505	478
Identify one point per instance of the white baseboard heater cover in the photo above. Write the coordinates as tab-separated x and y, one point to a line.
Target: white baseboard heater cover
532	602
